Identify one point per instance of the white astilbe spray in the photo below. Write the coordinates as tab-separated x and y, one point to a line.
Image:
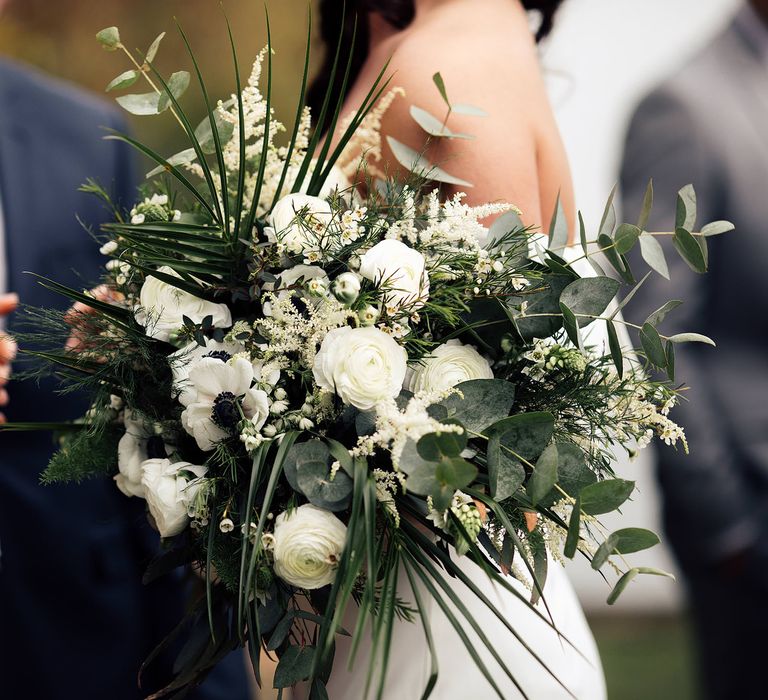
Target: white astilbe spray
395	427
299	331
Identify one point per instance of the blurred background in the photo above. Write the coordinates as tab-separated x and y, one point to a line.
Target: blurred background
602	58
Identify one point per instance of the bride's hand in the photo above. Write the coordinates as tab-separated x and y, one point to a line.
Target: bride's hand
8	303
78	316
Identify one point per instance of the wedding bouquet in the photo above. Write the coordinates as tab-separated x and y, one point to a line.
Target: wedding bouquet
324	380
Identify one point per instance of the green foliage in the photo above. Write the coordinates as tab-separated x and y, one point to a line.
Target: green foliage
481	403
83	455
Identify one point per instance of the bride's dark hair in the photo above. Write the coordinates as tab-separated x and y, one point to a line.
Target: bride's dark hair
399	13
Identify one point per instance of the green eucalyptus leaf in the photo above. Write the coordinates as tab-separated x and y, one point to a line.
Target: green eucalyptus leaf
109	38
434	126
652	346
653	254
295	665
572	472
574	526
571	326
608	222
617	354
434	446
625	541
543	298
589	296
625	238
715	228
140	105
513	442
558	228
414	162
686	208
456	473
153	47
645	212
422	479
321	490
184	157
606	245
690	250
177	84
544	476
540	563
621	585
123	80
481	403
661	313
505	473
204	132
499	238
437	79
692	338
670	352
605	496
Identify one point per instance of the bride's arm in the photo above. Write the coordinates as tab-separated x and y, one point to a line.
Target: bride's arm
517	154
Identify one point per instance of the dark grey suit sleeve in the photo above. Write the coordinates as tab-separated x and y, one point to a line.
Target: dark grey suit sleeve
708	508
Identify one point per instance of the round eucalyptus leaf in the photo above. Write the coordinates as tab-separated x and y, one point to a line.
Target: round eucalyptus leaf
315	482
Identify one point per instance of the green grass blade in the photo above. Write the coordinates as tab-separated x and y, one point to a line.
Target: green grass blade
250	221
172	169
320	122
299	111
190	131
214	131
240	132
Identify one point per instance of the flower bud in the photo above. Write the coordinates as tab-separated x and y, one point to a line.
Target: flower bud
346	287
368	316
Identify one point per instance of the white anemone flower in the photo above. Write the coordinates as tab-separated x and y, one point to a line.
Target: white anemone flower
132	451
219	396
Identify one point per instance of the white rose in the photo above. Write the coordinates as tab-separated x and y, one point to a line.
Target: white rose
169	489
307	544
449	364
362	365
400	271
162	308
300	221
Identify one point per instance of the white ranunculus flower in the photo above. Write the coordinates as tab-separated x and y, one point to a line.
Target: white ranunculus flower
169	489
307	543
400	272
217	394
363	366
300	221
162	308
448	365
131	453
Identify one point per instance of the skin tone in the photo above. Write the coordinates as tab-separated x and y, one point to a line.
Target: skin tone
487	56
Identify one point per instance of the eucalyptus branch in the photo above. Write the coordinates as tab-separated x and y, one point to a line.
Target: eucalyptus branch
142	68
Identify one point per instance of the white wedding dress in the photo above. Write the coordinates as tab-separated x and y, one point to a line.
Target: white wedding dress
459	678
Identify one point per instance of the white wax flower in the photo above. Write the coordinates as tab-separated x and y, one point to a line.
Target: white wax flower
162	308
307	543
361	365
300	221
448	365
400	272
169	489
219	392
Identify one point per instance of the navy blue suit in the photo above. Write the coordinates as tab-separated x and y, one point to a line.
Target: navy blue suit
75	619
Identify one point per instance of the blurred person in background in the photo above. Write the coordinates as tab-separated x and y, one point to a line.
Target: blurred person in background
75	619
709	125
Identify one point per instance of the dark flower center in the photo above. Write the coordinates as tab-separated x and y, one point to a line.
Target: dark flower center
226	410
222	355
156	448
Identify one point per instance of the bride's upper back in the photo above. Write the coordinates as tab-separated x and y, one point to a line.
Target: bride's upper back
485	51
